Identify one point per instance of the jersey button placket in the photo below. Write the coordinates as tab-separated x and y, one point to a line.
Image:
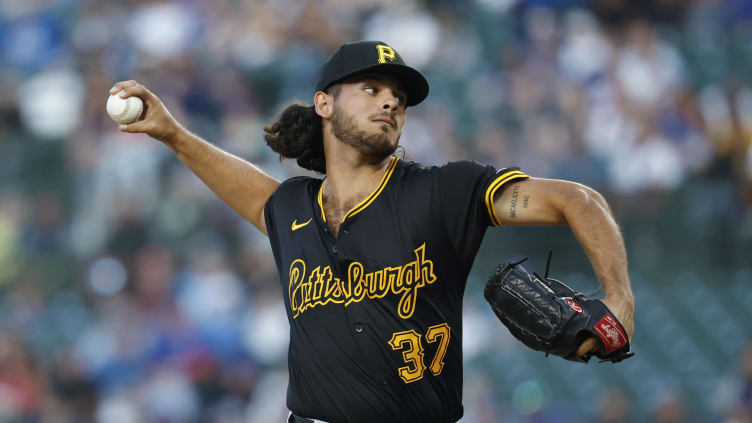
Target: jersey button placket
342	233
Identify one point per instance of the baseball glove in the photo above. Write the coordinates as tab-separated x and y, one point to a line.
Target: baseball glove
546	315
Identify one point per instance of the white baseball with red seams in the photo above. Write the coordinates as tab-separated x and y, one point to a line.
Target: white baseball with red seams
124	110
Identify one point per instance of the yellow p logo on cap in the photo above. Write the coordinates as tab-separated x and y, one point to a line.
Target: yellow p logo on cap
385	52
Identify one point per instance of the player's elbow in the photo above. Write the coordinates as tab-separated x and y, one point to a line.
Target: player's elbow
581	199
595	199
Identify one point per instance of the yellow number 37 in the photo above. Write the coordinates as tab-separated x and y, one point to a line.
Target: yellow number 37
410	342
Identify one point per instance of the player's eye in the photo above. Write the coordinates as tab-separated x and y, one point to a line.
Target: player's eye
370	90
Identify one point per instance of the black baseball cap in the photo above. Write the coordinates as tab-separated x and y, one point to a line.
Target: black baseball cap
361	57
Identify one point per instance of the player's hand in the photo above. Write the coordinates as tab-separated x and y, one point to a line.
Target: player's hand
624	312
155	121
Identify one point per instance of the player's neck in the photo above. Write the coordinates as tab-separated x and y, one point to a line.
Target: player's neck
349	174
343	180
348	171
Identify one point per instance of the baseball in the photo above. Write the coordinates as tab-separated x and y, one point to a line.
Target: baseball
124	110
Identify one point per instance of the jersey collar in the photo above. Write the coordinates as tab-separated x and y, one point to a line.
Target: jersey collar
368	200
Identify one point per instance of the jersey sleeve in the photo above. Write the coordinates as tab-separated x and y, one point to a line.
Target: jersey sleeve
290	197
467	190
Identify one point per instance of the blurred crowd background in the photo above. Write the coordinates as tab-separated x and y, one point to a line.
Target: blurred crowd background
130	293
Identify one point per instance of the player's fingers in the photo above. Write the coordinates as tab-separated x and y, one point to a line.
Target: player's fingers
135	127
122	85
589	346
138	91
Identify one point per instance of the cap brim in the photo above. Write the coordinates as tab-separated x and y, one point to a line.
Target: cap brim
413	83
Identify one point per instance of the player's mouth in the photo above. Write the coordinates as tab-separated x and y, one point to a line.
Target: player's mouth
386	121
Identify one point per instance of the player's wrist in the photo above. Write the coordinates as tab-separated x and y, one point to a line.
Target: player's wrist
177	138
624	297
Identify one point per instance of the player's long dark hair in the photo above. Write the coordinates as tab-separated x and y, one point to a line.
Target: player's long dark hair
297	134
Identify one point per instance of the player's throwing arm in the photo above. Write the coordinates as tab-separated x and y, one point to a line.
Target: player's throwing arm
238	183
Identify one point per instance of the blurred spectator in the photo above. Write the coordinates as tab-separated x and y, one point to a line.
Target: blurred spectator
614	408
670	409
742	411
21	386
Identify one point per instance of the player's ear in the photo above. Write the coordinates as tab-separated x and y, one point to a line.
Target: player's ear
324	104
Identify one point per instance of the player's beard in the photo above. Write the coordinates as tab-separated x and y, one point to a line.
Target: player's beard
377	146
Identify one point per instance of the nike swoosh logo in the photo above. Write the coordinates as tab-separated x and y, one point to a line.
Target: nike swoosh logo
296	226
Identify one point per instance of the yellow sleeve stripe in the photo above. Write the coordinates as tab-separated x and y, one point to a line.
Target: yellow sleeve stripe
320	200
495	185
370	199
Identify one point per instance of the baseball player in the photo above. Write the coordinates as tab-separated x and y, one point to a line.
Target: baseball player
373	258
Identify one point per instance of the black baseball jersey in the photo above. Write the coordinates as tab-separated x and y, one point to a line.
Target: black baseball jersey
376	313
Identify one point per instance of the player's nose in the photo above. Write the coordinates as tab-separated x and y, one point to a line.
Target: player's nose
390	99
391	102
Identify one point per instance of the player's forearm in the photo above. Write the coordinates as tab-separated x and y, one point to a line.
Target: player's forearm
591	221
241	185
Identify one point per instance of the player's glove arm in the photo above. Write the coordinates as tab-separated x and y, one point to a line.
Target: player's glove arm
241	185
542	202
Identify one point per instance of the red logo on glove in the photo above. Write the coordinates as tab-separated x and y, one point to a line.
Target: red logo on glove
573	305
611	334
